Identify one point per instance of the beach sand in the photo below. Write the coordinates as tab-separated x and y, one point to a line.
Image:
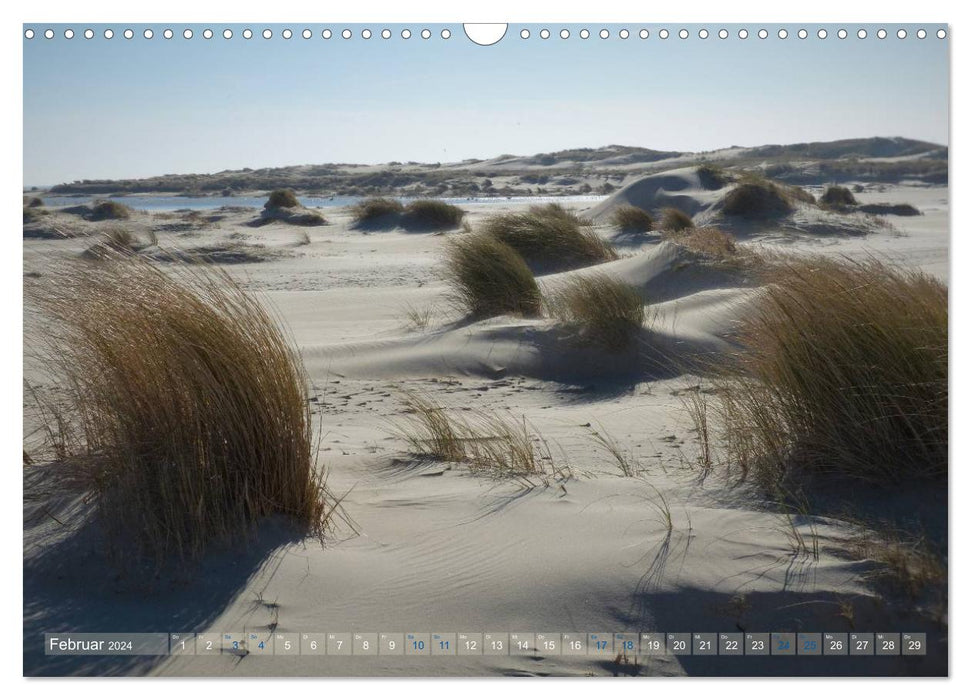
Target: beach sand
430	547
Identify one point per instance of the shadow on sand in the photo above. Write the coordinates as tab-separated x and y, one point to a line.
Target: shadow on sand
70	586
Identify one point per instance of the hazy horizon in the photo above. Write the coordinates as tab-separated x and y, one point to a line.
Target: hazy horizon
480	158
120	109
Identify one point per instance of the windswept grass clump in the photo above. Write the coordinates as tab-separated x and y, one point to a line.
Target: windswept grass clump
709	241
756	200
431	215
109	209
674	220
895	209
631	219
489	443
550	238
419	215
117	241
488	278
32	214
713	177
608	313
377	212
185	409
842	370
32	201
281	199
836	197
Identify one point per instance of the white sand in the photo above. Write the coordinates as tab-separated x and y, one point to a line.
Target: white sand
437	549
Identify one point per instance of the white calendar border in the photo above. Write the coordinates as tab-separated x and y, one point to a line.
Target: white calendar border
704	11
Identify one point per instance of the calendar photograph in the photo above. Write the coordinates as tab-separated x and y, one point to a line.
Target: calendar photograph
441	349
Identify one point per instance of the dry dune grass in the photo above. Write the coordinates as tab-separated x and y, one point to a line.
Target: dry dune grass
489	443
836	197
709	241
109	209
756	200
713	177
842	369
117	240
488	278
281	199
674	220
185	408
431	215
607	312
550	238
631	219
377	211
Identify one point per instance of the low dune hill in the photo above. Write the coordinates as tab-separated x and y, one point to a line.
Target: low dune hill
570	488
741	203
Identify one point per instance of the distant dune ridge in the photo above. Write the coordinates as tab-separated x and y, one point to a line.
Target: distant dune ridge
573	171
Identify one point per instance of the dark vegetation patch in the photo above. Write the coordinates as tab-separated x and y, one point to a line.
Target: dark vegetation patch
631	219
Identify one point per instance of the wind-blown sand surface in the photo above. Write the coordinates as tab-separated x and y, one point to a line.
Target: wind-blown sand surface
431	547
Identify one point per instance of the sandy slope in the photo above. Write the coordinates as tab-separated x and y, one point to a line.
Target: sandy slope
433	548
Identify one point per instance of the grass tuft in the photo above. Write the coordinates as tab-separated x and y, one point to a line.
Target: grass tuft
895	209
109	209
625	459
431	215
630	219
281	199
842	369
117	241
759	199
608	313
712	177
489	443
377	212
709	241
550	238
185	409
488	278
836	197
675	220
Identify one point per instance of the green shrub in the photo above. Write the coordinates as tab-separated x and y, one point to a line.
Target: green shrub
630	219
675	220
281	199
842	369
185	409
607	312
489	278
431	215
550	238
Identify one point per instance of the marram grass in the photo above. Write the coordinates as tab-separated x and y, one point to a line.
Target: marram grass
185	410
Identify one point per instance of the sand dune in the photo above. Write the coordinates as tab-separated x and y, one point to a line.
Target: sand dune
431	547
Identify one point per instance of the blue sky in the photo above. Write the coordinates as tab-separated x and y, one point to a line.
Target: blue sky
131	108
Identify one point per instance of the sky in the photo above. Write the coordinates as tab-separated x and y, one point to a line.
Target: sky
123	108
